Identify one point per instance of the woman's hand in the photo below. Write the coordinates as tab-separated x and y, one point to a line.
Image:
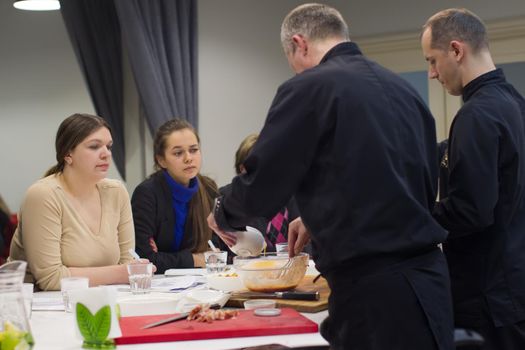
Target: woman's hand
228	237
143	261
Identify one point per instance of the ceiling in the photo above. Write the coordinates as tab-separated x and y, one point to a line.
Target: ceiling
365	17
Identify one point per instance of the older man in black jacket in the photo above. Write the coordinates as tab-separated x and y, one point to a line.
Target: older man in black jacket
356	145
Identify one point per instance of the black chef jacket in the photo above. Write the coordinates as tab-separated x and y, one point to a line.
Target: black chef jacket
356	145
484	204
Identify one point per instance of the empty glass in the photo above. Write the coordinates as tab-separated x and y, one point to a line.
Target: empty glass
281	249
71	283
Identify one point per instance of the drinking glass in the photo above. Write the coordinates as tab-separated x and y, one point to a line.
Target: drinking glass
140	277
27	294
215	261
71	283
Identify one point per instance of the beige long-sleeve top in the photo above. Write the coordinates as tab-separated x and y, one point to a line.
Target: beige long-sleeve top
52	236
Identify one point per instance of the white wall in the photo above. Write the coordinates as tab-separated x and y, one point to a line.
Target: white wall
40	85
240	67
241	63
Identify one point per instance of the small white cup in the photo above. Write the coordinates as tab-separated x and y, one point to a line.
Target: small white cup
71	283
215	261
27	294
140	277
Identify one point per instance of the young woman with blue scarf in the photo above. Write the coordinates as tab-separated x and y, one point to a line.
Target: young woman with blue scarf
170	207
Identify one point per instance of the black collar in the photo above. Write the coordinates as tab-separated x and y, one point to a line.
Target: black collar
345	48
493	77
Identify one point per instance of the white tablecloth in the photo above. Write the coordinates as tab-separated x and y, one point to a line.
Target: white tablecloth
55	330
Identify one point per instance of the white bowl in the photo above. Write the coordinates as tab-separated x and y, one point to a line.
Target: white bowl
225	281
249	243
148	304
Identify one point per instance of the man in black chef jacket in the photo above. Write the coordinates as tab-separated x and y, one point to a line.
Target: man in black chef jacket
483	202
356	145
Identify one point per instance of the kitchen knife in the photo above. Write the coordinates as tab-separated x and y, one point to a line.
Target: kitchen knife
167	320
176	318
290	295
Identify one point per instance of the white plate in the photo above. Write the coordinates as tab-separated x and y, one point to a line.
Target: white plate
148	304
202	296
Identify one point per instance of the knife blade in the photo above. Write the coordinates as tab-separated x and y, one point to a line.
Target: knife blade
167	320
180	316
289	295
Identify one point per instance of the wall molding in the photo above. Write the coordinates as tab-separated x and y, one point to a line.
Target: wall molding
401	52
510	28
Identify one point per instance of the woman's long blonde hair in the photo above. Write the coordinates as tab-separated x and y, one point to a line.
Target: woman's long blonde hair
201	204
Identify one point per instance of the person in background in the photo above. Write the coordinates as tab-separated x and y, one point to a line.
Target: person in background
74	221
275	229
482	205
7	229
356	146
170	207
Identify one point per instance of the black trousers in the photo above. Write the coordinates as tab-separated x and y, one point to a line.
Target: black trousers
406	306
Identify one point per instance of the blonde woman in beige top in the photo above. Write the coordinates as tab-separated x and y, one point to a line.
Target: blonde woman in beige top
74	222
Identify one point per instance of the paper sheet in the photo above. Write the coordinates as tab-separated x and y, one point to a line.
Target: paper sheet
48	304
175	284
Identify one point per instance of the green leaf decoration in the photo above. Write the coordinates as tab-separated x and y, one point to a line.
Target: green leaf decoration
102	323
85	321
94	329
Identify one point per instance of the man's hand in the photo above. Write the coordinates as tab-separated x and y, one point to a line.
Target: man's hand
298	237
229	238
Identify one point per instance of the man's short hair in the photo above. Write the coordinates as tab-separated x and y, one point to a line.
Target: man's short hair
457	24
313	21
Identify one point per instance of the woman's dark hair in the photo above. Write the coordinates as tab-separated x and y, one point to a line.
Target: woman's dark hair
201	204
71	132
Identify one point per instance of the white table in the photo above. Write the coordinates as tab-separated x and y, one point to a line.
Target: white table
55	330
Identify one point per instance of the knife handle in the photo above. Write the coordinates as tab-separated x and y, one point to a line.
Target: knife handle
301	295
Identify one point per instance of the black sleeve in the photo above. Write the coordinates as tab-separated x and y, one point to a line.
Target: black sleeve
473	176
149	223
293	210
277	163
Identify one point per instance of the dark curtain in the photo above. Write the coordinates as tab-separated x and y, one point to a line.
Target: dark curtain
94	31
161	40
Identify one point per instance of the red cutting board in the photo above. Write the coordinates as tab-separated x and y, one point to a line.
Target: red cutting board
244	325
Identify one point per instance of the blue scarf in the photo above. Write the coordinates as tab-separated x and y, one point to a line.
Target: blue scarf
180	199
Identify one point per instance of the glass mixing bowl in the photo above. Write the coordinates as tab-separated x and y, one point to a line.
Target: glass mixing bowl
270	272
